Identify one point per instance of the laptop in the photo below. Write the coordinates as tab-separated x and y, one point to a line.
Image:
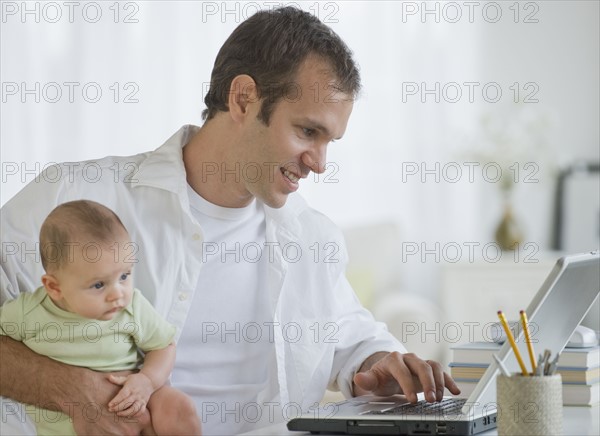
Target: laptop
556	310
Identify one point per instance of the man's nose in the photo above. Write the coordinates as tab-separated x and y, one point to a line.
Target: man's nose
316	158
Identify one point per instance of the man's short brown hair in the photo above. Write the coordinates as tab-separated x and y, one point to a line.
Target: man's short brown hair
269	47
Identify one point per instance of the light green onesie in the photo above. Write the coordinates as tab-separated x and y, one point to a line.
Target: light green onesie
112	345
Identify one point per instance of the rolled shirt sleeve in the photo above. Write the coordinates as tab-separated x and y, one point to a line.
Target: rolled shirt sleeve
360	337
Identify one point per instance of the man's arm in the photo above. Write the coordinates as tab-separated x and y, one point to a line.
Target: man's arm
83	394
386	373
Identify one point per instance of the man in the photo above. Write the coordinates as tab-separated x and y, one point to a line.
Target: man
228	252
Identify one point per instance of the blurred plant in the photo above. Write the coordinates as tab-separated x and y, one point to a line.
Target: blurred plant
519	144
513	141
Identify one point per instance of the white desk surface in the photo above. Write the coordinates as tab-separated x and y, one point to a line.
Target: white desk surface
576	421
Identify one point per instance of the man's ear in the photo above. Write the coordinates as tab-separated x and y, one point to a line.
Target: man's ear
52	286
242	93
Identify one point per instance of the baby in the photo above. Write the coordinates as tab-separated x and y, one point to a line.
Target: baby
87	313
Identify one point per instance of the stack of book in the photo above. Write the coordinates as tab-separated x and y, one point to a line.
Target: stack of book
579	368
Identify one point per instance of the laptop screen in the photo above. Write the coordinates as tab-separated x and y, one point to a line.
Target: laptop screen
554	312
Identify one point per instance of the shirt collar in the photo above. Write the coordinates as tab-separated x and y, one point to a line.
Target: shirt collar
286	217
163	168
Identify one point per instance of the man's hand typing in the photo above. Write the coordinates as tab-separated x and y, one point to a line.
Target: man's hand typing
396	373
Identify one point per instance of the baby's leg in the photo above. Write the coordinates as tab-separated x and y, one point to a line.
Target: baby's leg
173	413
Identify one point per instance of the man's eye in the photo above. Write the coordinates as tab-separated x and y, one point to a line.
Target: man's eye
98	285
308	132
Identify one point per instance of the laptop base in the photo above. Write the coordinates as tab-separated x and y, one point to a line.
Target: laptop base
394	427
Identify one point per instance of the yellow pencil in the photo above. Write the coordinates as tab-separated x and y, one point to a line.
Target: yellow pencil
511	339
528	340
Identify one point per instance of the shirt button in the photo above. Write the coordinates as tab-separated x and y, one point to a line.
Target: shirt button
182	296
195	236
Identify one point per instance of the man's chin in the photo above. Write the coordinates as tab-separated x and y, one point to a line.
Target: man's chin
276	202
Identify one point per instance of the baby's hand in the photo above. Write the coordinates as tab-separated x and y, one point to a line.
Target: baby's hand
132	398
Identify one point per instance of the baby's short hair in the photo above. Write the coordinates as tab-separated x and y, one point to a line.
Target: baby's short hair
73	222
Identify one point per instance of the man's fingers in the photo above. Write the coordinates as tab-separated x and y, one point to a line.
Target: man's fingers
438	379
408	374
366	380
394	365
449	383
417	368
432	377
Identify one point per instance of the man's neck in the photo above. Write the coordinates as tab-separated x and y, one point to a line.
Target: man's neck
207	157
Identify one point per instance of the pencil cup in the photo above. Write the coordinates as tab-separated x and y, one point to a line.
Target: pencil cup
529	405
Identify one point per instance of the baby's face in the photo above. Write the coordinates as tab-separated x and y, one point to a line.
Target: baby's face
96	282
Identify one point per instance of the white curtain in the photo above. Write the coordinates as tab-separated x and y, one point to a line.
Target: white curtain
152	61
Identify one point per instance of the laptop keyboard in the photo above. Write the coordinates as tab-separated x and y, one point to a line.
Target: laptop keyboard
448	406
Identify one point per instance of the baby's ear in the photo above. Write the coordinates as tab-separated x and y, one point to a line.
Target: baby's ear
52	286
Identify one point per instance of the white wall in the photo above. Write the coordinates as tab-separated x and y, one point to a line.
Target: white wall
167	55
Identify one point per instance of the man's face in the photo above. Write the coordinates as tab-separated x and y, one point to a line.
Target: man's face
277	156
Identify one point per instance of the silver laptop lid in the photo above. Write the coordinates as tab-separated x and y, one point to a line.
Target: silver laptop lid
554	312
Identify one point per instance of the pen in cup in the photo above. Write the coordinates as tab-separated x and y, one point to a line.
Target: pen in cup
553	364
544	365
540	366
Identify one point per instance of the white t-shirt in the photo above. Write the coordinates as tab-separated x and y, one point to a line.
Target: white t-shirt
226	354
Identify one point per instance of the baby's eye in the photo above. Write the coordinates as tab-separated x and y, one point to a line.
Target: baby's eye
98	285
124	276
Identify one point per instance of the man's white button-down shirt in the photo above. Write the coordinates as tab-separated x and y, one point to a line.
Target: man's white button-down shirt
333	334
